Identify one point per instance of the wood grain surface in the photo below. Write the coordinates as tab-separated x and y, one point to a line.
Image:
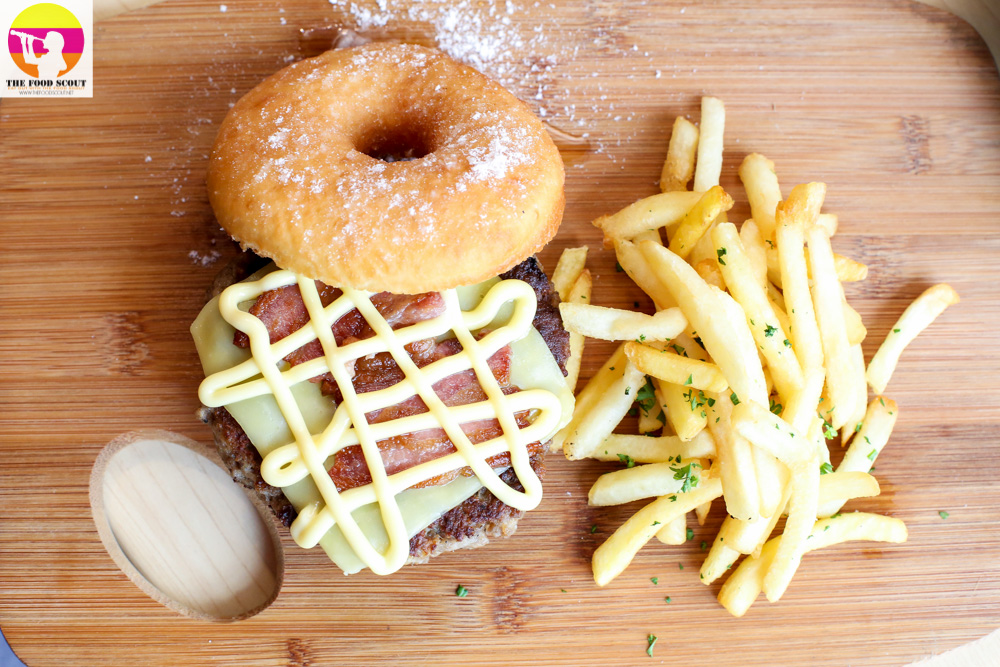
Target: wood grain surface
107	245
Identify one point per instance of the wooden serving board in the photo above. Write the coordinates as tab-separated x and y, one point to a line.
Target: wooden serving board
107	242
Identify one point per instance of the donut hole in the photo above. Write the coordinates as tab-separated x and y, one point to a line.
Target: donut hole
397	144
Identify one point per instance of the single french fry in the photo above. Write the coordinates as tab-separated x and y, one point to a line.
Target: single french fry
746	583
761	184
675	532
701	512
601	416
734	460
717	319
828	300
635	264
672	367
856	331
756	251
772	434
828	222
568	270
651	213
661	449
772	477
771	338
849	270
708	168
610	374
749	536
645	481
867	443
791	220
872	436
917	317
579	294
615	324
708	269
611	558
719	559
860	385
684	406
685	345
841	486
713	203
652	420
678	168
802	506
704	249
777	305
800	409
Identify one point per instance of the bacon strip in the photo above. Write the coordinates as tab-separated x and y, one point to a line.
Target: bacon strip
283	312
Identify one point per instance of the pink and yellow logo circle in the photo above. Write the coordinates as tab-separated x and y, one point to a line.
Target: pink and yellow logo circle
46	41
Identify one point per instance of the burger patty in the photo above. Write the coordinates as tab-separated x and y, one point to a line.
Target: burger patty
470	524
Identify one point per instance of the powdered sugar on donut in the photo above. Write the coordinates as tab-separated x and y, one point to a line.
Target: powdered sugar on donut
296	173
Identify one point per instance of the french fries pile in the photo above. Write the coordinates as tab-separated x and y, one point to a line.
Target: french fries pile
751	363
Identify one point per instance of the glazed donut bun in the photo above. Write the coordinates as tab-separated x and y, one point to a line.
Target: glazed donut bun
386	167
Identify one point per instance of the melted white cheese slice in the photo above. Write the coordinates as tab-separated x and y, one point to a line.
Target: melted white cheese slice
532	367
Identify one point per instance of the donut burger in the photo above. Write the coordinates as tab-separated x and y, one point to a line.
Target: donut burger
386	363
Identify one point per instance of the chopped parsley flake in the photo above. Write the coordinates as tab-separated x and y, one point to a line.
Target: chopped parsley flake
651	640
461	591
656	523
689	380
645	398
769	331
627	460
667	599
704	545
734	398
593	529
895	331
655	580
678	349
943	514
690	534
627	390
721	252
872	454
776	407
787	343
680	566
618	267
828	432
686	475
825	468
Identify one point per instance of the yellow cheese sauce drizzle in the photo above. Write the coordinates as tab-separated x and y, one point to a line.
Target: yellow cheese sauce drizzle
308	454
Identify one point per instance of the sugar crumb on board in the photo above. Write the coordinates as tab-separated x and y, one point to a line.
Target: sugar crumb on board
497	38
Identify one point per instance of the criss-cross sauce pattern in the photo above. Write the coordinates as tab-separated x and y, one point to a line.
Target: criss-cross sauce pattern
266	373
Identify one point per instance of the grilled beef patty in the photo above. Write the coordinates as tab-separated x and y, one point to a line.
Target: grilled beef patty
472	523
